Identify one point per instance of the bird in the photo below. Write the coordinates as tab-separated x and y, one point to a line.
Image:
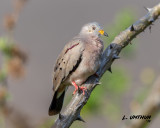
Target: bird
79	59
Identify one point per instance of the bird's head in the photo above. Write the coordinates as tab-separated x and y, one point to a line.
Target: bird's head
93	29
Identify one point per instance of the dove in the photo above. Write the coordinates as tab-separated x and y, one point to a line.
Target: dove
79	59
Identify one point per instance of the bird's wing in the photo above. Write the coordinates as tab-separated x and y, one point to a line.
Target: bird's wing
68	61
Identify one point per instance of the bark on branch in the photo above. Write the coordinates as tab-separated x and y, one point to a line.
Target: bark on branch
72	111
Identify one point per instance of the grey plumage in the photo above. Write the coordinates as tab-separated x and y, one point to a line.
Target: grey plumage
80	58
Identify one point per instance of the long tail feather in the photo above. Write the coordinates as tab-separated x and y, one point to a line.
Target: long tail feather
56	104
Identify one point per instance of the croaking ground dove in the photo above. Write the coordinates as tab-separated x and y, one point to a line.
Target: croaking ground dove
80	58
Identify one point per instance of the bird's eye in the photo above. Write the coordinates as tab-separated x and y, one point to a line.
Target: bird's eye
93	27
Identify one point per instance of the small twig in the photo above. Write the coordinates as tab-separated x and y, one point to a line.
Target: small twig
72	111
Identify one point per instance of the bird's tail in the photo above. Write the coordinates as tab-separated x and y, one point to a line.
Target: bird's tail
56	104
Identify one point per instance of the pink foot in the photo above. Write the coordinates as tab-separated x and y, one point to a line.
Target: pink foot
83	89
80	87
76	87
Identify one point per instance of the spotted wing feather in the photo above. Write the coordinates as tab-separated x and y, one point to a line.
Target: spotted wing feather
67	61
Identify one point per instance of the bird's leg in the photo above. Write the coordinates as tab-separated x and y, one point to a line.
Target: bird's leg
80	87
76	87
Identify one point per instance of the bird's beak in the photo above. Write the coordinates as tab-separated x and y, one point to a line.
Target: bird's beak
103	32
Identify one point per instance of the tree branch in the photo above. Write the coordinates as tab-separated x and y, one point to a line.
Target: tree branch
72	111
151	106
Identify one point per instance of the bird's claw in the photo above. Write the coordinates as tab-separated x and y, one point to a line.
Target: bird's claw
80	88
75	91
83	89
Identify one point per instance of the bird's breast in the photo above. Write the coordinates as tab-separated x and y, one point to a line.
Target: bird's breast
90	63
